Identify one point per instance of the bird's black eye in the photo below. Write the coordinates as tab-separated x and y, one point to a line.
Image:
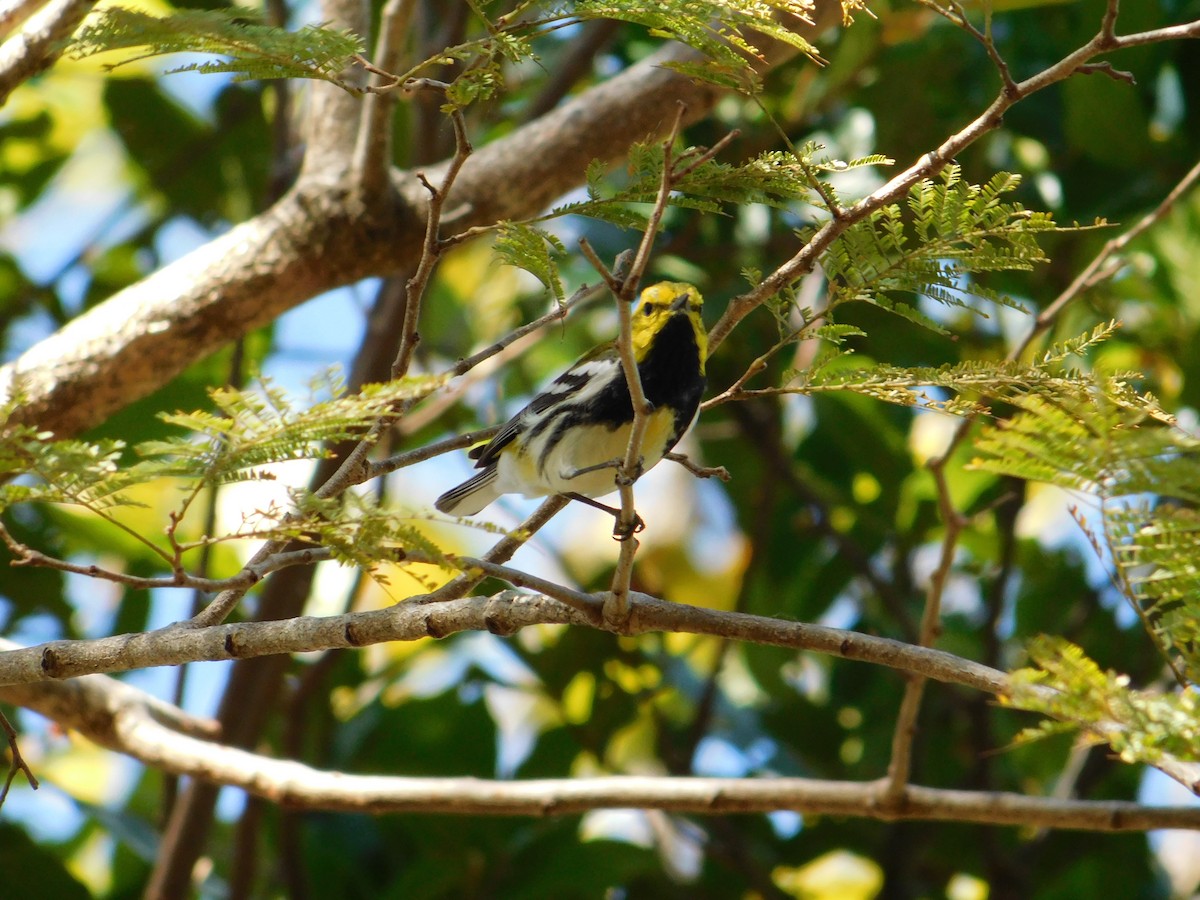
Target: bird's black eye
648	308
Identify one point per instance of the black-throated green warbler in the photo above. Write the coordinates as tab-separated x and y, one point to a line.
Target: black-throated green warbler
571	436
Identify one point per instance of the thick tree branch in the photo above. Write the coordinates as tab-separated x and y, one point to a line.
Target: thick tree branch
504	613
129	727
39	42
332	124
324	234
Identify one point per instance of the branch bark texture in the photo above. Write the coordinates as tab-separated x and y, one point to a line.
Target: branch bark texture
321	235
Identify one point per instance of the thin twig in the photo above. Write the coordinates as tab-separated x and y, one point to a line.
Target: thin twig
955	13
582	295
17	764
250	575
589	604
719	472
501	552
431	251
616	606
900	765
412	457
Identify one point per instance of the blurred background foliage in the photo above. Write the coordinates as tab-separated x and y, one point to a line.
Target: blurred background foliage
831	516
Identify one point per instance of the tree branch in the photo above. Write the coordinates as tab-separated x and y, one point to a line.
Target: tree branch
321	235
928	166
39	42
504	613
128	726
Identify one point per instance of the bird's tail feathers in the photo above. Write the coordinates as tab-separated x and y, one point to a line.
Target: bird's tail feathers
471	496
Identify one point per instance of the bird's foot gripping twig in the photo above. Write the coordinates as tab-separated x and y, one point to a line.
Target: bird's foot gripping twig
620	532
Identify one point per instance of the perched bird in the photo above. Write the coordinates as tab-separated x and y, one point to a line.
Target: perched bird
571	437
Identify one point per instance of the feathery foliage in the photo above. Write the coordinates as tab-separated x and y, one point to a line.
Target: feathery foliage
1120	446
1103	438
252	428
248	431
252	50
778	179
1069	688
719	29
1156	548
948	231
354	527
531	249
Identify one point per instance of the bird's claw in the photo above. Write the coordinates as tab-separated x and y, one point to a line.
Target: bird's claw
623	532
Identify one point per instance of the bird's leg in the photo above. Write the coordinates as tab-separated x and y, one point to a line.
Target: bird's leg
621	534
639	471
607	464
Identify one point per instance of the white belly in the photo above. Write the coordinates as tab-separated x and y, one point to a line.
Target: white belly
582	448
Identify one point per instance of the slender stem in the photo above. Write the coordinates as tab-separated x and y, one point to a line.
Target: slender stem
432	250
616	608
900	766
17	764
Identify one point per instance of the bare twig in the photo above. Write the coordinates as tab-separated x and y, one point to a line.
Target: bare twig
17	763
582	295
1099	269
719	472
412	457
954	12
900	765
251	574
616	606
432	250
501	552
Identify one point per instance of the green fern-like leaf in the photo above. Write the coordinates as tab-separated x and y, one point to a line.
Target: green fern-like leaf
255	428
717	28
251	49
1100	437
1140	726
248	430
974	382
778	179
1119	446
36	468
1156	548
355	528
948	232
532	249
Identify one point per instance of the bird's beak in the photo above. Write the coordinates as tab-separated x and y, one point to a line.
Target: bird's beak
681	302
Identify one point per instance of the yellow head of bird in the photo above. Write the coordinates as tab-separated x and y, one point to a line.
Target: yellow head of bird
662	302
